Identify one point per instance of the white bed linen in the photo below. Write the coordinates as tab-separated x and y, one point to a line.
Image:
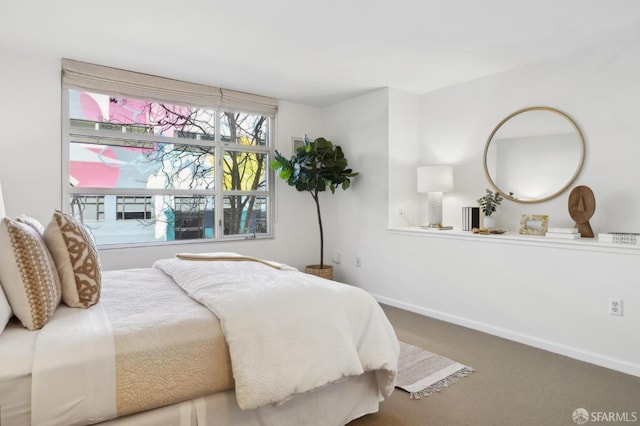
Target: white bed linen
303	332
74	379
16	358
332	405
335	404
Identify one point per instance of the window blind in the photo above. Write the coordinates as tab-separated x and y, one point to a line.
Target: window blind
91	77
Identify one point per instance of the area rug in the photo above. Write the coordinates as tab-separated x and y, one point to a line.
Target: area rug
422	373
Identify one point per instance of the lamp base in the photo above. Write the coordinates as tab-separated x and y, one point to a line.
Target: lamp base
437	227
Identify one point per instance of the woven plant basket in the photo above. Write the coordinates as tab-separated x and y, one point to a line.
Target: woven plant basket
326	272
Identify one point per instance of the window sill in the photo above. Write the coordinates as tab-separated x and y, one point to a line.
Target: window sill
584	244
152	244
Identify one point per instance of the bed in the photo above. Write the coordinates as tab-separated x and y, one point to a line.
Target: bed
199	339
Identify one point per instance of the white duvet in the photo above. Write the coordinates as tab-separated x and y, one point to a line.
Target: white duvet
289	332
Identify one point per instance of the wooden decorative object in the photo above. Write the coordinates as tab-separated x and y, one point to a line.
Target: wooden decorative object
582	205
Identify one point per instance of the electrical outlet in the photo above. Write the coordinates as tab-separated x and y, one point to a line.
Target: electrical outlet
358	262
615	306
401	212
336	257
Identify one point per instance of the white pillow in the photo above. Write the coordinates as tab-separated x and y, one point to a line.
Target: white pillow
33	222
28	274
5	311
76	258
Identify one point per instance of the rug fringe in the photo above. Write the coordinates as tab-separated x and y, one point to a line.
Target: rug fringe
442	384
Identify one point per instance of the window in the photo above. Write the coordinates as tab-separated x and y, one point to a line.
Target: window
143	170
88	208
133	208
193	217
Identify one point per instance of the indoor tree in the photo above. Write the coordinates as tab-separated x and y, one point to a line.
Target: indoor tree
315	167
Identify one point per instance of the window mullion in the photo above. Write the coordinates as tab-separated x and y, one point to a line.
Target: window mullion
140	191
219	176
66	168
110	137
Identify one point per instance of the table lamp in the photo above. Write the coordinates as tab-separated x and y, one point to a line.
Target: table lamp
434	180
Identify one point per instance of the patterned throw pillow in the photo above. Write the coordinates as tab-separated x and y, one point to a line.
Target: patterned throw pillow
76	258
28	274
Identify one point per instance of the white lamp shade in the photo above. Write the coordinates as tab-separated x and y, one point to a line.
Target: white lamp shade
435	178
2	211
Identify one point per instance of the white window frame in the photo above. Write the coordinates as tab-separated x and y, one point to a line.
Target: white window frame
229	101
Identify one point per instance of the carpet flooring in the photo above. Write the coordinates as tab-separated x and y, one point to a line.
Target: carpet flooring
513	384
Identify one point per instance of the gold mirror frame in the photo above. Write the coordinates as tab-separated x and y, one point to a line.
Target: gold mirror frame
565	186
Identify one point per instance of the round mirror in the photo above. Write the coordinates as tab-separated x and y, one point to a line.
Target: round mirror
533	154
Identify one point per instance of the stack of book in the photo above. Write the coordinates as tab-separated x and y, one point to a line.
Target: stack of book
566	233
630	238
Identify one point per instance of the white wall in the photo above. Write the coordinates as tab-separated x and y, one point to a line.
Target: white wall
31	165
30	141
403	148
356	219
549	297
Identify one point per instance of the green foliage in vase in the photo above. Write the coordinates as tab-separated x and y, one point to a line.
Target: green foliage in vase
489	202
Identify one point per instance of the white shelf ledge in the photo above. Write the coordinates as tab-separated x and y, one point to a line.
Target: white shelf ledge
586	244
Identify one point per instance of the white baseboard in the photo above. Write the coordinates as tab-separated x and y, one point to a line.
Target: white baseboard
555	347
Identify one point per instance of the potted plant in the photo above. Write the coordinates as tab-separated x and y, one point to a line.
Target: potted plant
489	203
315	167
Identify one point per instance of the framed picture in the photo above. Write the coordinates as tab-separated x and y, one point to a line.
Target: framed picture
296	143
535	224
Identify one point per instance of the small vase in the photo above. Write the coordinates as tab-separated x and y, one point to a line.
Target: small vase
488	222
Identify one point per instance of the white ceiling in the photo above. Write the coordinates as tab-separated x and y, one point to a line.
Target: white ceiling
316	52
